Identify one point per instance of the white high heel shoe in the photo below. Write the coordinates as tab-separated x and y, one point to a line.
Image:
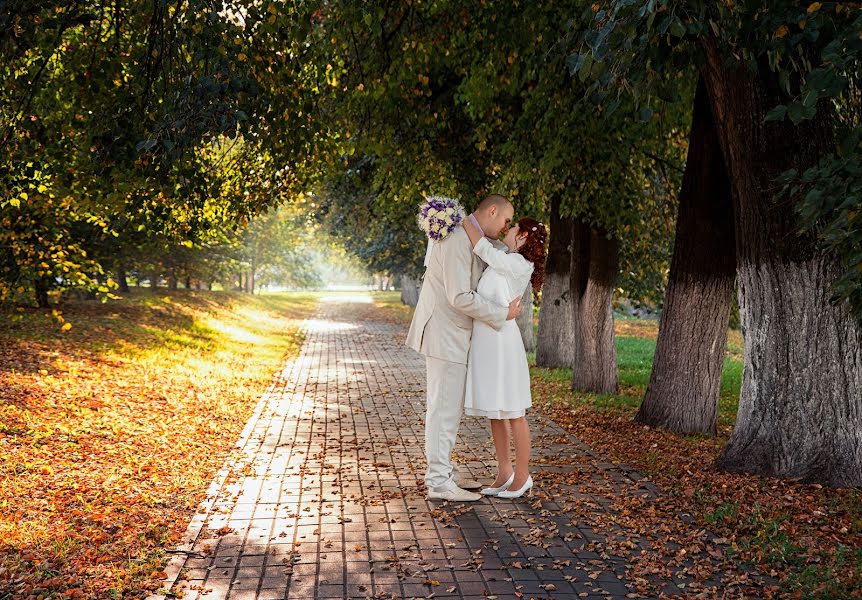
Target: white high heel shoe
527	487
493	491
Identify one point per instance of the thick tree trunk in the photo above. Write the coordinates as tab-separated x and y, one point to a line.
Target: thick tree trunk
409	290
172	282
40	287
188	283
122	280
154	281
799	408
686	374
525	319
595	267
555	343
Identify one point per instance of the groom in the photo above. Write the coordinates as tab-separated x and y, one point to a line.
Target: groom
441	330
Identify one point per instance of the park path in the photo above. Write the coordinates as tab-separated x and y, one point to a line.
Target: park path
323	497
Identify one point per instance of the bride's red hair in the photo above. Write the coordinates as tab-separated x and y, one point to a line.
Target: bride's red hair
534	248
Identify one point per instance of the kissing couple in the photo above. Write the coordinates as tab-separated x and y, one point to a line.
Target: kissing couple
475	358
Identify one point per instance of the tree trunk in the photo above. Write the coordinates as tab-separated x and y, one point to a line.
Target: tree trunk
251	276
154	281
409	290
595	266
40	287
686	374
525	319
188	283
555	344
247	285
122	280
210	285
799	407
172	282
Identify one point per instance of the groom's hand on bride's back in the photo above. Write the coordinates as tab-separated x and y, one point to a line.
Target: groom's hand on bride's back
514	309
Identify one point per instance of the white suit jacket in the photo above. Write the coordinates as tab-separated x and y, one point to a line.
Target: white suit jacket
442	324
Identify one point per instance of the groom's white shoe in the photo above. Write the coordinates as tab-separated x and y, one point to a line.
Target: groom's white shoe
452	493
467	484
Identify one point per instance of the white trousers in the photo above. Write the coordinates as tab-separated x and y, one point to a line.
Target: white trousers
446	386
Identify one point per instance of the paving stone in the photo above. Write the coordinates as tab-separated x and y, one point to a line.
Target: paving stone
324	492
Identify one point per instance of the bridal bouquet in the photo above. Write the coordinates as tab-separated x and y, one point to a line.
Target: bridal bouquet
439	216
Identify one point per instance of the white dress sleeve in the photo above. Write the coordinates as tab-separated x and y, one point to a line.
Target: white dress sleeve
513	266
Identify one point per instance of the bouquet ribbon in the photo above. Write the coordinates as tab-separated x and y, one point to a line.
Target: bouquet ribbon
428	252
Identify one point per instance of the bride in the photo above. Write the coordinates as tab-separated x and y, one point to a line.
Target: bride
498	377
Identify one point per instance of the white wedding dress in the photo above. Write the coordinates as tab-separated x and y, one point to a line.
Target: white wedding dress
498	377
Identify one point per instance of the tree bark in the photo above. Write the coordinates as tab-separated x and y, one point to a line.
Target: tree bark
251	275
122	280
172	282
188	283
595	266
40	287
525	319
154	282
555	343
799	407
409	290
686	374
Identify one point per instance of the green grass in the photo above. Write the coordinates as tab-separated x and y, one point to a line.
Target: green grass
634	365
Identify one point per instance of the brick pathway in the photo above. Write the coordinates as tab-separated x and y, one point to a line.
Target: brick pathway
323	497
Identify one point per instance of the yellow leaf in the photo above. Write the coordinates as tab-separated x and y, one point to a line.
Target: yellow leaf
814	6
781	31
66	327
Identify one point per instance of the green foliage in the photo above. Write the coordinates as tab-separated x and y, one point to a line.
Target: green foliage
279	245
463	100
381	232
167	122
41	248
638	50
607	166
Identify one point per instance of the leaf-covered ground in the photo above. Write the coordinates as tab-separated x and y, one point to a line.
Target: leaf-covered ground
808	537
112	429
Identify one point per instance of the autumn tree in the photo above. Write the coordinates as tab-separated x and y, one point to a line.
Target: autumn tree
606	183
782	83
121	116
685	383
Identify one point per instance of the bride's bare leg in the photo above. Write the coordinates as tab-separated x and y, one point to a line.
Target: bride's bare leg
500	431
521	435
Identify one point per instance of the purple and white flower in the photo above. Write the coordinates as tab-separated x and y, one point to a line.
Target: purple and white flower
439	216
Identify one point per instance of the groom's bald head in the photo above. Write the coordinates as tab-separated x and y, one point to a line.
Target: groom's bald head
494	214
493	200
